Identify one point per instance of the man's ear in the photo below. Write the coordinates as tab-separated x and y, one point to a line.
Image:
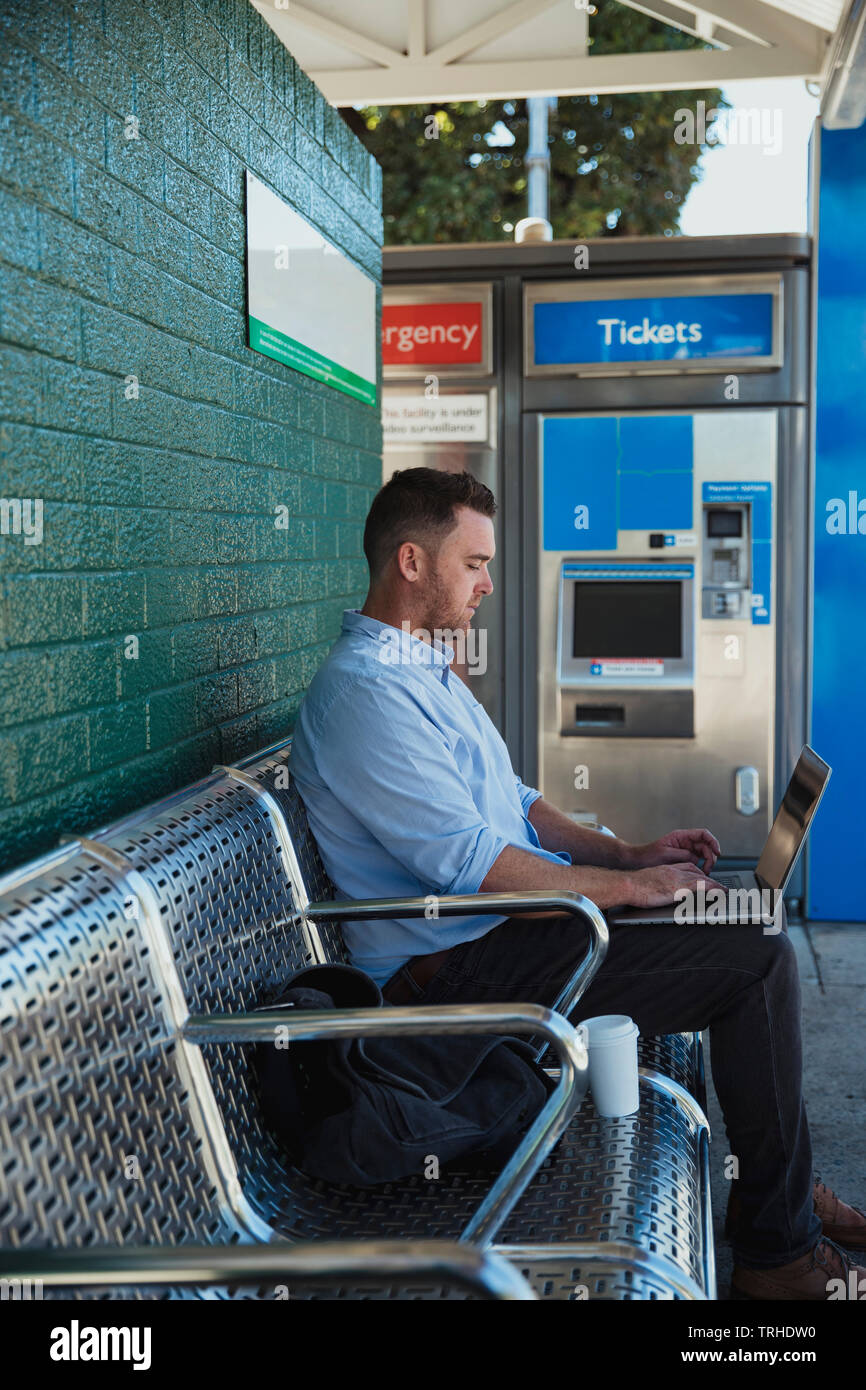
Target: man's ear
409	559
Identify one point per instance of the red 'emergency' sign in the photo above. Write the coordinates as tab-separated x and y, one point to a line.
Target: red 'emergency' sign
431	333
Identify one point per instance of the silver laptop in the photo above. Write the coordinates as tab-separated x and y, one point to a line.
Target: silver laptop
751	898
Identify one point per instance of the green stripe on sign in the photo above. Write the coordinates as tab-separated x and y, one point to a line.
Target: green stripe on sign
305	359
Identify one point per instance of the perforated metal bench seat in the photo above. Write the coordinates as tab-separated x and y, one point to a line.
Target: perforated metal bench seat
201	906
635	1183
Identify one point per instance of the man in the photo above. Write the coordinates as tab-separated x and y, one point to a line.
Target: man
410	791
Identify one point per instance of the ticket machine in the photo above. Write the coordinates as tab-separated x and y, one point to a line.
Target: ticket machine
657	620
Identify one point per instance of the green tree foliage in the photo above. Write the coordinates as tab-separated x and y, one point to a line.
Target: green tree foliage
457	172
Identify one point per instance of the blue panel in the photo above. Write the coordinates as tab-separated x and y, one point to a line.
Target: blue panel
650	442
835	881
655	501
655	486
762	580
654	329
580	459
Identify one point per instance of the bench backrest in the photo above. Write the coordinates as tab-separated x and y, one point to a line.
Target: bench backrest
98	1139
114	1128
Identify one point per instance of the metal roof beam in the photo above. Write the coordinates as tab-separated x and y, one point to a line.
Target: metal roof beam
340	33
491	28
699	24
680	69
751	18
417	29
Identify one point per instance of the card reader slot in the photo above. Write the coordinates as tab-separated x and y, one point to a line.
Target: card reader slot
599	716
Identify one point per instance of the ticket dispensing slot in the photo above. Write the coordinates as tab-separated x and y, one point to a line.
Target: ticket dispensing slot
727	549
626	650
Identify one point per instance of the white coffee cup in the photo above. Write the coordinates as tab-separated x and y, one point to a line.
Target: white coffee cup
612	1043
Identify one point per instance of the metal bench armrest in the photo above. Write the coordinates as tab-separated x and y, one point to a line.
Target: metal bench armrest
443	1018
499	904
482	1271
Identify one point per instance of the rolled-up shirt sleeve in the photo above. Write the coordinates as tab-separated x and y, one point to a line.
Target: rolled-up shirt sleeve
527	794
390	764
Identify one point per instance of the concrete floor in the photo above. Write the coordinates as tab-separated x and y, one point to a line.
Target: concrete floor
832	959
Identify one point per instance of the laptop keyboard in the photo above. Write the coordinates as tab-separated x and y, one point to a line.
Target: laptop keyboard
734	880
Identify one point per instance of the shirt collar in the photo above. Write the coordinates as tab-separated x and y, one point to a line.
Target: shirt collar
399	644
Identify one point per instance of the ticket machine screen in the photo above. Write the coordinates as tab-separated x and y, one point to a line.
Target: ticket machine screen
619	619
724	521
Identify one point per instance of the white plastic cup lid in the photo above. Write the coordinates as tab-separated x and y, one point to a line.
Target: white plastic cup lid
610	1028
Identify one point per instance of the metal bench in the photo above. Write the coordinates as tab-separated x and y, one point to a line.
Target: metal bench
131	962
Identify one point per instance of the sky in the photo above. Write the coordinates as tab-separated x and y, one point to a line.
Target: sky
744	189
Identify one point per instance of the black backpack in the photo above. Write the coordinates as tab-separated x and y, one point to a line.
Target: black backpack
373	1110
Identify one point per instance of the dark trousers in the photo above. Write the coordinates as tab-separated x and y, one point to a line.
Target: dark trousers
740	984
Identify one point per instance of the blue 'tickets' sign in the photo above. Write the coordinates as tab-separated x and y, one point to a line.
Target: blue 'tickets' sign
663	329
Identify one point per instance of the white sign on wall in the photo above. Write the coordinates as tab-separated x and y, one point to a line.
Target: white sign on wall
309	306
408	420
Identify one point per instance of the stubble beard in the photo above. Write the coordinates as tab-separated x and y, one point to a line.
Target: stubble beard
439	612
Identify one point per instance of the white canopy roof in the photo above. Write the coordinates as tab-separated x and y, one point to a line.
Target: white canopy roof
397	52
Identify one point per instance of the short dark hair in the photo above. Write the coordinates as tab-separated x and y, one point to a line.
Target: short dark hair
417	504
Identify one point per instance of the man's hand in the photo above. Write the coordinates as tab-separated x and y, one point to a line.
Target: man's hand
677	847
517	869
657	887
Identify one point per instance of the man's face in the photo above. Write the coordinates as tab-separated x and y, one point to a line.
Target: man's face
459	577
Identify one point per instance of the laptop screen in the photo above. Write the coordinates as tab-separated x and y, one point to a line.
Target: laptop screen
793	817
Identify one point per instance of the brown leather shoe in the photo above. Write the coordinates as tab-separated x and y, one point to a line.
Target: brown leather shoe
843	1224
825	1274
839	1222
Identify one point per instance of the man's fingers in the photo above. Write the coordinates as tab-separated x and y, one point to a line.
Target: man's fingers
689	871
698	848
680	856
706	882
706	847
709	839
698	876
697	859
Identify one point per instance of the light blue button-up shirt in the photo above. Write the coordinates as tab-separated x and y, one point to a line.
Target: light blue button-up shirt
408	787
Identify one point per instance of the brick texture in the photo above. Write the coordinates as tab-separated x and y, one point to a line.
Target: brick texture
162	621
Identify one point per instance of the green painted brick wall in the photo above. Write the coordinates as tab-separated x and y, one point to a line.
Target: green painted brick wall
164	622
